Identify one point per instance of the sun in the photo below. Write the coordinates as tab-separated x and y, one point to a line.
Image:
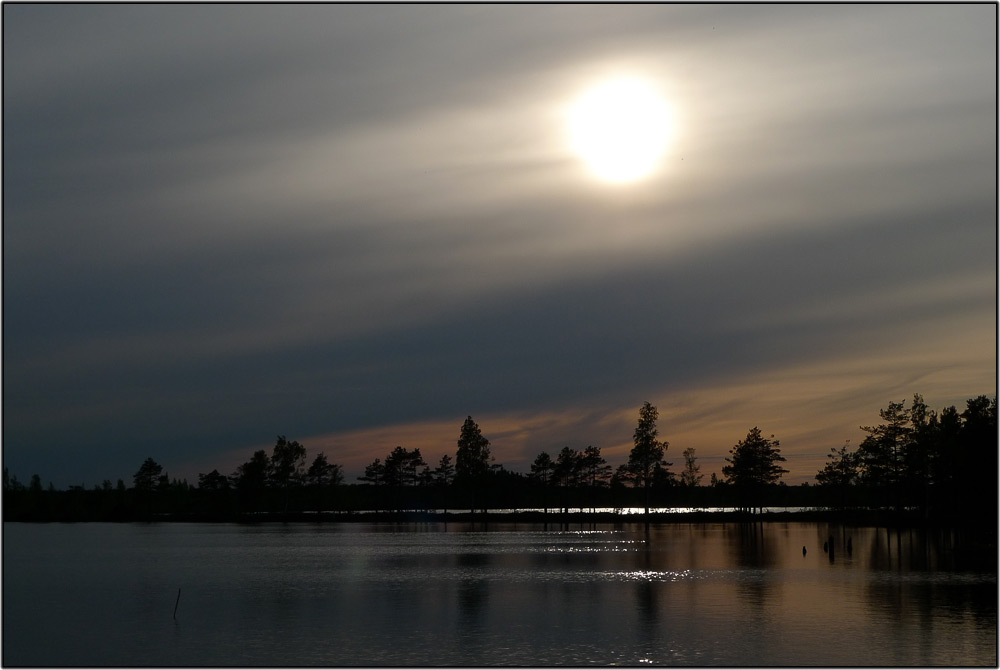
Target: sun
621	129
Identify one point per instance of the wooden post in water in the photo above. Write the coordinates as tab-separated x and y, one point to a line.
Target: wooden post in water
177	602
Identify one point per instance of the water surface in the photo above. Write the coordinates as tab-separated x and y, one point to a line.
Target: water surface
461	594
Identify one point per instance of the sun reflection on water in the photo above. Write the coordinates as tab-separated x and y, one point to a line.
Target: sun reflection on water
657	575
616	546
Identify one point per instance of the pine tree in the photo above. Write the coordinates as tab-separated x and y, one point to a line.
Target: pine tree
288	460
840	471
147	476
645	461
690	476
444	473
594	468
472	460
542	470
374	473
754	465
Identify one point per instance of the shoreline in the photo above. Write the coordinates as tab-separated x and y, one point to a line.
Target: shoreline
856	517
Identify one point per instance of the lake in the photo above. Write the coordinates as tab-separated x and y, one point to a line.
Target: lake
507	594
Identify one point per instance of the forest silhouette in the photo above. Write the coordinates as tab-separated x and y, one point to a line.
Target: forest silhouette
917	464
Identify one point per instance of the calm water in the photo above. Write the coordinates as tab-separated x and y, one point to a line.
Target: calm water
420	594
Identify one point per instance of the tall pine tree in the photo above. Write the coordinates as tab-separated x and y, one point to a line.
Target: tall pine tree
645	461
472	460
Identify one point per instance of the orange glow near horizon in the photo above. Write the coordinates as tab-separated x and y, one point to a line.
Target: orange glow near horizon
809	408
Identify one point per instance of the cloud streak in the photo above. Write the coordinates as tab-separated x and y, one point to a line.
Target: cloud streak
224	223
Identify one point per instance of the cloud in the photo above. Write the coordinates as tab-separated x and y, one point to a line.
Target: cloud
226	222
584	346
810	407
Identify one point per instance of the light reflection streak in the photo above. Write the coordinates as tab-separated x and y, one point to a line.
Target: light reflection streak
590	549
616	511
657	575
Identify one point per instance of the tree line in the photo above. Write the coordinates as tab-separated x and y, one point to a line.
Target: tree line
941	464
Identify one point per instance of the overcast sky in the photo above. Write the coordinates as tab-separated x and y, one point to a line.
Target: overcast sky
355	225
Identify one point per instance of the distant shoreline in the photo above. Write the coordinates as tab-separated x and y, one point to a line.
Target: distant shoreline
861	517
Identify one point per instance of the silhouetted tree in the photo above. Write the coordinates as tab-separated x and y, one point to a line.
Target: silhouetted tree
663	478
163	483
255	473
395	467
594	468
319	470
444	473
472	460
947	461
400	470
147	477
425	477
213	490
39	504
401	467
840	471
10	482
213	481
978	453
374	473
288	460
646	458
441	478
880	454
541	471
146	481
323	475
175	494
594	471
414	461
920	453
566	473
923	458
542	468
690	476
754	465
567	467
251	479
336	474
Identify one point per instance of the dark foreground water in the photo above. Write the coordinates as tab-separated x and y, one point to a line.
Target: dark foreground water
427	594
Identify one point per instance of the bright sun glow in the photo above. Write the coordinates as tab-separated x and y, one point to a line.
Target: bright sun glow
621	129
